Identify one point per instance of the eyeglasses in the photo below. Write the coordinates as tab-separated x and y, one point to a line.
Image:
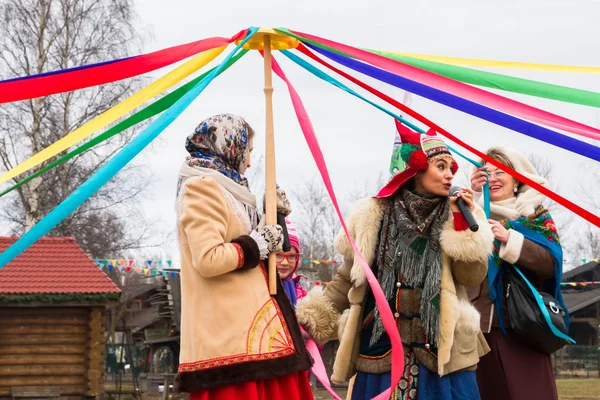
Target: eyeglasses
292	258
496	174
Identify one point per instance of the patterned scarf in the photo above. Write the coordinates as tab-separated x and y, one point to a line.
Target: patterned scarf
220	143
409	248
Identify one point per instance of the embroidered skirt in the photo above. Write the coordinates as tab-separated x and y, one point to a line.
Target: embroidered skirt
418	382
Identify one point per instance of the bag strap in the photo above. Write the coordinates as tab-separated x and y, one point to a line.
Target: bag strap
542	307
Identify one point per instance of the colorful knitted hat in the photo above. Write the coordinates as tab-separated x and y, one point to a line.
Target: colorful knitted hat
415	153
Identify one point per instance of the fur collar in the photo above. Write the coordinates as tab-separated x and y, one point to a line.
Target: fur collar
364	222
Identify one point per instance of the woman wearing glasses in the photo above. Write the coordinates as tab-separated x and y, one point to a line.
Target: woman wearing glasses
514	369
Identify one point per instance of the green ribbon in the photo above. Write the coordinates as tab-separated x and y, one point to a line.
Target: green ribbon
148	112
499	81
483	78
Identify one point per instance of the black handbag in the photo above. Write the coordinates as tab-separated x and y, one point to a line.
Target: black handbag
535	316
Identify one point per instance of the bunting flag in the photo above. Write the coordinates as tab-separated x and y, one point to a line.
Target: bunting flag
308	261
576	284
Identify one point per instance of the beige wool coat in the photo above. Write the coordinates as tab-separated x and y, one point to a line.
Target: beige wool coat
232	330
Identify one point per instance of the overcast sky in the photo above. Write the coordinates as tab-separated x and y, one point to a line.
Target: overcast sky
357	139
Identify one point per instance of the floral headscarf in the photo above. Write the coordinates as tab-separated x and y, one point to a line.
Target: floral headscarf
220	143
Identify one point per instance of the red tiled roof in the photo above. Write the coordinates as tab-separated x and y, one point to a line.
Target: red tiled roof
52	265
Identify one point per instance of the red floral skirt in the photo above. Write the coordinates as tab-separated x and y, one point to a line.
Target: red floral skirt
290	387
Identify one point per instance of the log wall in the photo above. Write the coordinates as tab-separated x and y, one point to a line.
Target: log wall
52	348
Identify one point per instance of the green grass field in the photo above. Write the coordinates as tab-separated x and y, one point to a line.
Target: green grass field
578	389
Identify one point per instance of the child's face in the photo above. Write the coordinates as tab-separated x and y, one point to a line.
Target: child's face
286	261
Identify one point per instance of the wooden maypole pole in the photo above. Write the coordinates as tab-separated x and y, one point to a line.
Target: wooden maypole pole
268	39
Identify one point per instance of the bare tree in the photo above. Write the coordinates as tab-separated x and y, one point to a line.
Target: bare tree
317	225
38	36
564	223
587	243
368	188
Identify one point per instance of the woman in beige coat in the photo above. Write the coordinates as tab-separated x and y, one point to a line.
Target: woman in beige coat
423	255
237	342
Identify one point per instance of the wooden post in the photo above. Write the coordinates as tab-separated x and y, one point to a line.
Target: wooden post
270	175
94	360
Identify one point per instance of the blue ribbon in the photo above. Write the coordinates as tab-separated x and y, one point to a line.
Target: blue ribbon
458	103
328	78
111	168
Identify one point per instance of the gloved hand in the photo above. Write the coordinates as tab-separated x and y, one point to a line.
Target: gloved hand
283	203
273	235
269	238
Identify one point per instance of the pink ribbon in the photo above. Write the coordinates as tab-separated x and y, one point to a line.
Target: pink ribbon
318	368
460	89
389	323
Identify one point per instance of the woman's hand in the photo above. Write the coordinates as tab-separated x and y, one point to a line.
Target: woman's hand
478	179
500	232
467	195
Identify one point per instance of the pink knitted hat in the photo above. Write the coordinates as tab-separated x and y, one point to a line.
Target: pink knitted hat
294	239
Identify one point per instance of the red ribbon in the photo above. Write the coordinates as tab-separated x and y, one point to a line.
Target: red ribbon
79	78
460	89
594	219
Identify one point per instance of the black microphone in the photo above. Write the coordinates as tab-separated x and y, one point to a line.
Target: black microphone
464	209
286	237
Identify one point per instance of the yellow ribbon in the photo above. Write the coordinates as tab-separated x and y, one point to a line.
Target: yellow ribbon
115	112
475	62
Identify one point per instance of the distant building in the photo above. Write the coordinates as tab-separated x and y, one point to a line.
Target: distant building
583	303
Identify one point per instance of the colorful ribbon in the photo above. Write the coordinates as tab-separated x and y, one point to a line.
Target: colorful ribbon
148	112
441	83
49	83
497	117
327	78
502	82
112	167
554	196
115	112
475	62
387	318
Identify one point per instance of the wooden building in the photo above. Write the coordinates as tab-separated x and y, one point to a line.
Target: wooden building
583	303
53	300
